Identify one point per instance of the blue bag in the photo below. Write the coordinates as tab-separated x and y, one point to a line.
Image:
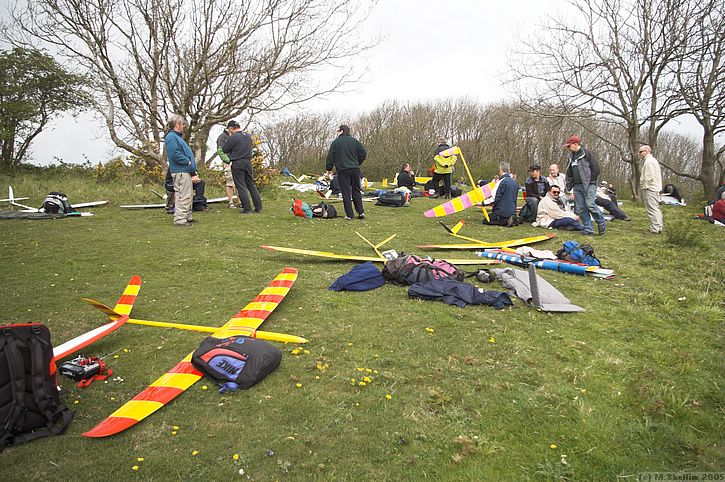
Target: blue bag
362	277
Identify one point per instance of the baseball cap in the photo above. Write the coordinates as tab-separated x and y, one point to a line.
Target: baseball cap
572	140
233	124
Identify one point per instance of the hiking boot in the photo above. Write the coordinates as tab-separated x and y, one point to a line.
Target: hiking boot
348	218
626	218
601	229
361	216
512	221
242	211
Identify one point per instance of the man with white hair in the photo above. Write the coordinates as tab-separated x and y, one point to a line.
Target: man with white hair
650	183
183	170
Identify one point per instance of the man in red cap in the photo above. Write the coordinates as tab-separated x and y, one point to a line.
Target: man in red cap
581	178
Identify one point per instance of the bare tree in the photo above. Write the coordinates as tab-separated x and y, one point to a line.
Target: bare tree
700	75
608	60
209	60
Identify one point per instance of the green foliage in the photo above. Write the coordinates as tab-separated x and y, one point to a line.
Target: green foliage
681	232
33	88
633	384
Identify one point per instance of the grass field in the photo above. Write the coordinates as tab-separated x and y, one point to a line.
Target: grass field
634	384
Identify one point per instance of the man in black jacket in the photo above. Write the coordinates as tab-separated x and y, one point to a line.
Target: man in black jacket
405	177
346	154
239	149
536	188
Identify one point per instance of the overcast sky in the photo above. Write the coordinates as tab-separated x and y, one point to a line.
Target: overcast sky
432	50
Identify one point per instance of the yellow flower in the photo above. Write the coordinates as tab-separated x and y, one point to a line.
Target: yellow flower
173	433
375	372
317	377
299	385
430	330
75	402
194	453
115	356
125	350
349	343
368	370
140	459
204	387
175	427
368	380
353	381
492	340
135	467
388	397
362	384
360	369
552	446
235	457
307	352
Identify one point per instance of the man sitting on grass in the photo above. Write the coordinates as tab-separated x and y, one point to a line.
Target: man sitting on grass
504	203
552	215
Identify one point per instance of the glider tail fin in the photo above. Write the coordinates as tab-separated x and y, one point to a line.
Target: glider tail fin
125	302
457	227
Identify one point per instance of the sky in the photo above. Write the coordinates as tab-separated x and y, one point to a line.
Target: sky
431	50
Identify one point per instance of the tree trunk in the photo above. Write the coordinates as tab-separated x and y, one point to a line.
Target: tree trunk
707	175
633	143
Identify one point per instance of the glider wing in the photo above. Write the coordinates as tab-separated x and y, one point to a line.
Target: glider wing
478	195
325	254
174	382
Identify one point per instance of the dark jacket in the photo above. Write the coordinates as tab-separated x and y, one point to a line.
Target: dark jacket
345	152
588	168
238	147
178	153
536	189
504	203
406	180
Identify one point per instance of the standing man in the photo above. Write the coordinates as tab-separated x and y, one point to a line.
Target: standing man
443	168
536	189
581	178
650	182
226	165
346	154
183	169
239	149
504	203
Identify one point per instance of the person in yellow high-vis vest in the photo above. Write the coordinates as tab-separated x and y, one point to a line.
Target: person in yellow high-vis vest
442	169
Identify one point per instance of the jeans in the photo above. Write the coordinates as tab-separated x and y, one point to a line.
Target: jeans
567	224
586	207
350	188
243	176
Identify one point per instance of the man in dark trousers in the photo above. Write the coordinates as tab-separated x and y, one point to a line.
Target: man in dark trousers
239	149
504	203
536	188
346	154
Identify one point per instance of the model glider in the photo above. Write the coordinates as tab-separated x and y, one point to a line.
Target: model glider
478	244
379	258
554	265
123	309
163	205
28	209
184	375
481	195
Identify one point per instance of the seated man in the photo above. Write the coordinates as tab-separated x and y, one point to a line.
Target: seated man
405	177
504	203
607	199
552	215
198	202
718	209
536	188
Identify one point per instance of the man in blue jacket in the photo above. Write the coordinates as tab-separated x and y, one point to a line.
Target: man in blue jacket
183	169
504	203
582	174
346	154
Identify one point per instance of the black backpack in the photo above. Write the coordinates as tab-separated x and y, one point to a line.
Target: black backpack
238	359
30	405
392	199
324	211
56	203
410	269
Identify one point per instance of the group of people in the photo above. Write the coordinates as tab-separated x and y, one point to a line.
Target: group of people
544	196
544	201
236	150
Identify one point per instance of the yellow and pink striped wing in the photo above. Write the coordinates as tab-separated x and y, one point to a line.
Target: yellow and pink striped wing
174	382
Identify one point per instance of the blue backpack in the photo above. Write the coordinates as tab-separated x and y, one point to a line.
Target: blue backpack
573	251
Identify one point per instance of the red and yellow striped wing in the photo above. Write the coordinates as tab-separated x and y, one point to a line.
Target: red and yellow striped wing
174	382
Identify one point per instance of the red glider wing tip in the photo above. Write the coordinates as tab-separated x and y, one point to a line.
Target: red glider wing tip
135	280
264	246
290	270
110	426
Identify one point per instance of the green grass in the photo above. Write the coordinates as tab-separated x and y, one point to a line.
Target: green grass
634	384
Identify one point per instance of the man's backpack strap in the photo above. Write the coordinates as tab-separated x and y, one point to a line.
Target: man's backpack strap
39	385
57	424
16	369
